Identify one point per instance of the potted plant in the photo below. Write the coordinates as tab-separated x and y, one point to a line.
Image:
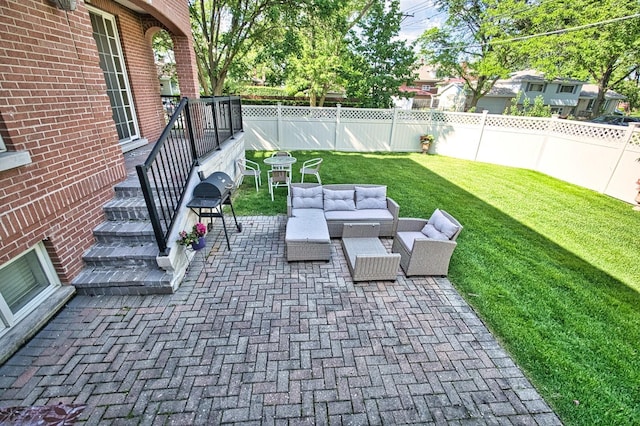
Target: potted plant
195	238
425	141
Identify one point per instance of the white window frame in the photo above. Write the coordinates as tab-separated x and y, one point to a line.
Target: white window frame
562	87
9	319
426	87
530	87
3	147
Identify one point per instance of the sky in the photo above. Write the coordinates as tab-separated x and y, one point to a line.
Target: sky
419	16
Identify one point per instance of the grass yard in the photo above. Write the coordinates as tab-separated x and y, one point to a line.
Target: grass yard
553	269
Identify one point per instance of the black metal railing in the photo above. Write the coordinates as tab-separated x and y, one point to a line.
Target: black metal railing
197	128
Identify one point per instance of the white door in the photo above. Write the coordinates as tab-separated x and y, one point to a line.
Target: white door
112	64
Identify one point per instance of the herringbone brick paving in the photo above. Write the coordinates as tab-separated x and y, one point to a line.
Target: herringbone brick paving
251	339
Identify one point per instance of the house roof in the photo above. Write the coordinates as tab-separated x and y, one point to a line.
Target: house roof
416	91
590	91
500	92
537	76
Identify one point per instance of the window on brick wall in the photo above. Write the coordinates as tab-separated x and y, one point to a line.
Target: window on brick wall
25	282
3	148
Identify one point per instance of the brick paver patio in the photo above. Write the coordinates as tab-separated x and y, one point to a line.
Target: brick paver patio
251	339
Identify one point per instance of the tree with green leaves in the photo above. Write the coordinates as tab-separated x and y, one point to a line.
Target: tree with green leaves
317	64
583	39
379	63
226	30
468	45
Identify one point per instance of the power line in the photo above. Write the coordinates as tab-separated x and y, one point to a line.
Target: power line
566	30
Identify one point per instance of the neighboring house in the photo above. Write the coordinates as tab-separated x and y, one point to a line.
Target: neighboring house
564	96
560	94
78	87
451	96
424	88
588	96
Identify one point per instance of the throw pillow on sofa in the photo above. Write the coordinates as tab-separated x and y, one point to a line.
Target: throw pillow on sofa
439	223
371	197
307	198
338	199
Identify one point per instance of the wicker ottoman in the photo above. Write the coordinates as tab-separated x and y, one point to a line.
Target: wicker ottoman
307	239
367	258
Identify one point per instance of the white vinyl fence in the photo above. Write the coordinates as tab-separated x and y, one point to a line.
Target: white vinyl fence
595	156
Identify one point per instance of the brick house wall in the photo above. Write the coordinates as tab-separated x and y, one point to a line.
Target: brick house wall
53	104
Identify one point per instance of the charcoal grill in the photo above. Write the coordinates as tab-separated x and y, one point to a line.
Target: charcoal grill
209	196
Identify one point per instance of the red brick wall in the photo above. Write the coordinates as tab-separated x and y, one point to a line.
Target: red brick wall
53	104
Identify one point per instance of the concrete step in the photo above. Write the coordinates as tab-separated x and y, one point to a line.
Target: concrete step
131	188
119	255
126	209
120	281
125	232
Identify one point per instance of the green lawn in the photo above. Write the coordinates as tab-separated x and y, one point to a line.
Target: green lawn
553	269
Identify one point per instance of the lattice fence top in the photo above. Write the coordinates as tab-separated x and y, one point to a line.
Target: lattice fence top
259	111
366	114
602	133
514	122
457	118
635	139
308	112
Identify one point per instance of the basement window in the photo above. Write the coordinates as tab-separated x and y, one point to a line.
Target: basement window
25	282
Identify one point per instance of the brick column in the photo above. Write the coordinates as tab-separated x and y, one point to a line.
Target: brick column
186	66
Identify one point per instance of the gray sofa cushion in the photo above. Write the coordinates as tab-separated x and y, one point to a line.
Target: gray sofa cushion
311	215
341	200
299	230
439	225
371	197
359	215
307	198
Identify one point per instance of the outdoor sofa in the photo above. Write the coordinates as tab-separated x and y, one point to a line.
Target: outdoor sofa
318	213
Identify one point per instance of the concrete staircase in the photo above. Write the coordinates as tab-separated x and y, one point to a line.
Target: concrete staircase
123	260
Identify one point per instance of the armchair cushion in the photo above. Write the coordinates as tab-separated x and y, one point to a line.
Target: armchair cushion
307	198
439	224
338	200
371	197
408	238
430	231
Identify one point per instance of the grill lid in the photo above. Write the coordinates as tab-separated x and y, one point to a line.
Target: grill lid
218	185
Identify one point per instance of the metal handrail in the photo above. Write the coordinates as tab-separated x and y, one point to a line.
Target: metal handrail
192	133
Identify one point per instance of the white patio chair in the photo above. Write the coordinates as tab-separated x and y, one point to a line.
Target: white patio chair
249	168
278	178
311	167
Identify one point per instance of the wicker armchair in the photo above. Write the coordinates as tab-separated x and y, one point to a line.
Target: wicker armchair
420	254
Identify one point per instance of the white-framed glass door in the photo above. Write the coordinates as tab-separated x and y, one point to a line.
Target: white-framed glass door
105	33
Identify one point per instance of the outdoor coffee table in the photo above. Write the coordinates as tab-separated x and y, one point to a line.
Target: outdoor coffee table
367	258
